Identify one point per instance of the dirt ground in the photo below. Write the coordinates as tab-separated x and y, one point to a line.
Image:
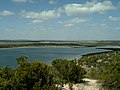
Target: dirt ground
89	84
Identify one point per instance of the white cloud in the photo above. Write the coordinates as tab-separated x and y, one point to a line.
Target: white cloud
31	1
19	1
6	13
88	7
103	25
23	1
37	21
74	21
52	1
117	28
38	17
111	18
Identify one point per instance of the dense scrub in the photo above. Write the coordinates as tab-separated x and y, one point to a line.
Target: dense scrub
105	67
69	71
39	76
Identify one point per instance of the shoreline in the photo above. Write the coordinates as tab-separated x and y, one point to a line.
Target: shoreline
42	47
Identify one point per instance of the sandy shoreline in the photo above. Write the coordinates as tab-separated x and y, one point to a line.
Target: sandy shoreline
90	84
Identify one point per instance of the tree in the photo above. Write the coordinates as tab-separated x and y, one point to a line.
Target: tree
22	59
27	76
32	76
39	76
68	71
6	75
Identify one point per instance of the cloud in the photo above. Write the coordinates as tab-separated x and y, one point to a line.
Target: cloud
88	7
117	28
74	21
31	1
6	13
52	1
37	21
111	18
103	25
38	17
19	1
23	1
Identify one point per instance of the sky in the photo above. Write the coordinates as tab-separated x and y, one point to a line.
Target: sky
60	19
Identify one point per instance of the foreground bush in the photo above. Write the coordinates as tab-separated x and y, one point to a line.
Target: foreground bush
27	76
39	76
68	71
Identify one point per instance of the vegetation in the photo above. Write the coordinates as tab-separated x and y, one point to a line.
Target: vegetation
39	76
27	43
110	75
69	71
105	67
37	44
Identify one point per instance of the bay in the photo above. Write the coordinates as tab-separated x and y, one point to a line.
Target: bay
45	54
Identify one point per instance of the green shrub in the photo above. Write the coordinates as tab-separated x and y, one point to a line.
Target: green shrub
68	71
110	75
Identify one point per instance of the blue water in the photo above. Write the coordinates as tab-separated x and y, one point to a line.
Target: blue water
46	54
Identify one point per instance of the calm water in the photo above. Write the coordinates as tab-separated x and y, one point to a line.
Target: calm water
46	54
